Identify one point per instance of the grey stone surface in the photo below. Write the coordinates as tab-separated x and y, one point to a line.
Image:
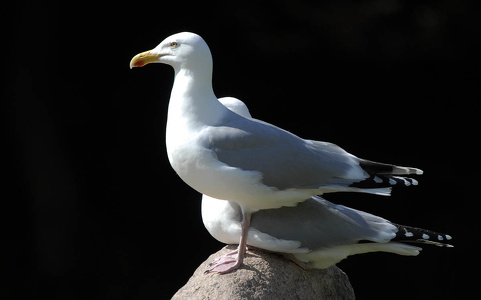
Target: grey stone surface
266	276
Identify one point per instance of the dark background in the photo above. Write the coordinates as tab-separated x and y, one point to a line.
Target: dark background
91	207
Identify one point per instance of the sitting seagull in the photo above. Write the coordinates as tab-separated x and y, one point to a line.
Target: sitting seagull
316	233
259	166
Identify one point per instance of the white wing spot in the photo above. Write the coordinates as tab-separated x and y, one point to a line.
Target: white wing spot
425	236
405	181
448	237
440	238
408	234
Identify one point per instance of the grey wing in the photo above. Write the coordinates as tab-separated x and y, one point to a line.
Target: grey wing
284	160
318	223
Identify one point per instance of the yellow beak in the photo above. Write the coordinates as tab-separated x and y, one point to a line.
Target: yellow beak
144	58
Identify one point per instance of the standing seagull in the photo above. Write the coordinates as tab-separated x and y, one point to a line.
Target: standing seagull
255	164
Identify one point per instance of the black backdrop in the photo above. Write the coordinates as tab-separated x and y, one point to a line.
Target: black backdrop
91	207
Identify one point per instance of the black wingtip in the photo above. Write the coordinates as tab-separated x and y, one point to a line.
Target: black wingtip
385	175
409	234
377	181
387	169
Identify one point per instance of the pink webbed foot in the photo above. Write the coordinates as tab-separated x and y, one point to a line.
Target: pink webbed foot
226	263
226	257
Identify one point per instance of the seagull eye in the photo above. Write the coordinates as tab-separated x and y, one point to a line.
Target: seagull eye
174	44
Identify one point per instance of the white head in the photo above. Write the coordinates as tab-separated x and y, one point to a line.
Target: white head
183	50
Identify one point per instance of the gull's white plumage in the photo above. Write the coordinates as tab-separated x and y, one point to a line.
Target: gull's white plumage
255	164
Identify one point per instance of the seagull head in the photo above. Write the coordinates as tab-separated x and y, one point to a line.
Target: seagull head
181	50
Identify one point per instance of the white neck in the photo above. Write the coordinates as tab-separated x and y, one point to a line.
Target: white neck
193	98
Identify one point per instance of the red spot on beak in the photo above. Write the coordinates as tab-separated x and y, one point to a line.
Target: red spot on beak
139	63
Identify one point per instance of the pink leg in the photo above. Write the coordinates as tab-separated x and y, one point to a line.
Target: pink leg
233	260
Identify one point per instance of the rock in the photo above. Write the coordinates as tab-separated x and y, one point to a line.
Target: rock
266	276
